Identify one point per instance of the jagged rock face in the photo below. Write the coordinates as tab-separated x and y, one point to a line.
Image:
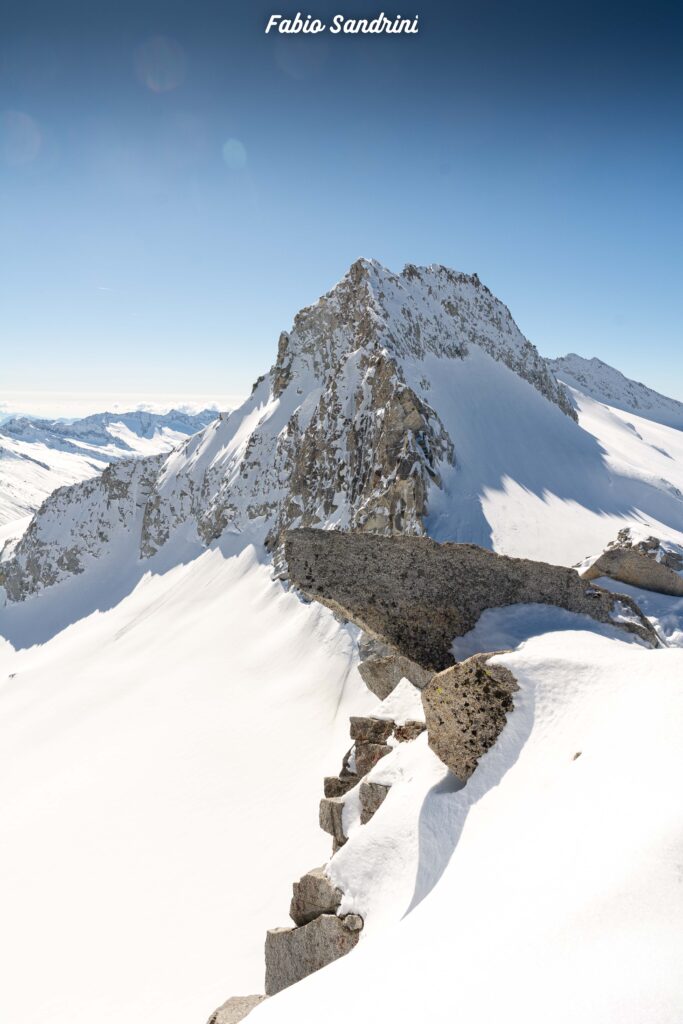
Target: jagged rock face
466	708
647	564
339	434
417	595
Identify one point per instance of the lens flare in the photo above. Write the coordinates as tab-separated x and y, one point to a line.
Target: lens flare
20	138
160	64
235	154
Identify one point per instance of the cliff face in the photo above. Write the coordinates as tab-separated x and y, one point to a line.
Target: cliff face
341	433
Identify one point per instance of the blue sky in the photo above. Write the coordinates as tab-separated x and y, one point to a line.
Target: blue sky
175	185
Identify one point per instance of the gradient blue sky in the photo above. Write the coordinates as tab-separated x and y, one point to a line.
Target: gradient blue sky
538	144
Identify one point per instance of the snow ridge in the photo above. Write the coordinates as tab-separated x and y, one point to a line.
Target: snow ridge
602	382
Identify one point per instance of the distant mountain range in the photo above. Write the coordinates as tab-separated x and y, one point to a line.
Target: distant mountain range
38	455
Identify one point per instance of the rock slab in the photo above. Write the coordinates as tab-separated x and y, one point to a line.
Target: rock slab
417	595
294	953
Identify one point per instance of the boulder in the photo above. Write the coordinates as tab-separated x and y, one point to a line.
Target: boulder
313	895
234	1010
416	595
294	953
372	795
330	818
645	564
466	708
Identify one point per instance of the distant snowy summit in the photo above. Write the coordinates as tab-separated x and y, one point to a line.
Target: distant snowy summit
106	430
602	382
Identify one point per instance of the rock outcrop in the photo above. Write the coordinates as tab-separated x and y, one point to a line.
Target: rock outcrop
417	595
466	708
646	563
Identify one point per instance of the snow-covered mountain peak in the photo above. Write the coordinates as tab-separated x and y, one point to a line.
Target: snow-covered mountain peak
398	403
605	384
421	311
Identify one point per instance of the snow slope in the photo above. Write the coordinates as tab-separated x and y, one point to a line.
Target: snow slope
529	482
602	382
160	771
549	887
37	456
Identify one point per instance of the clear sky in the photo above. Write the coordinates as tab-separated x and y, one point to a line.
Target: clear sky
175	184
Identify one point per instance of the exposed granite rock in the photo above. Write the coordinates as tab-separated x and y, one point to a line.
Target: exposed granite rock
330	818
234	1010
338	785
313	895
372	795
466	708
645	563
418	595
294	953
370	730
409	731
382	668
367	756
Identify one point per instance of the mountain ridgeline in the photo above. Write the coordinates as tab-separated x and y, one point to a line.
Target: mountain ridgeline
340	433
